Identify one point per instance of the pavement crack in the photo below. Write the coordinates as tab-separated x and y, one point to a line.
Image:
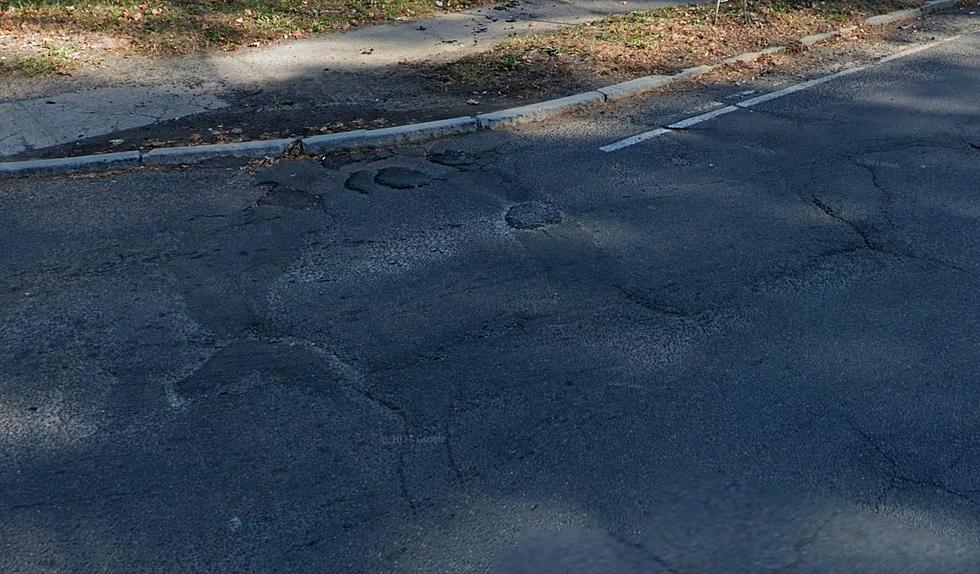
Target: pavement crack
654	307
642	549
876	182
872	245
355	381
833	214
898	478
451	407
353	378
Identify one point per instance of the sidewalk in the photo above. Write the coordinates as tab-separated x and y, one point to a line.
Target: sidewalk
347	77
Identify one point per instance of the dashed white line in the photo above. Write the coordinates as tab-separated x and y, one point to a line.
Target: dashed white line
634	139
683	124
792	89
686	123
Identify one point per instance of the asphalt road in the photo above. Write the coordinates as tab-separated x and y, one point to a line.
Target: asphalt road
750	346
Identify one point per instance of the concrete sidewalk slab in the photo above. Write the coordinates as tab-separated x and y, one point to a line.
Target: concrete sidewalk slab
57	119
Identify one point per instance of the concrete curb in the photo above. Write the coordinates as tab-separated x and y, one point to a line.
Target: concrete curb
415	133
411	133
540	110
198	153
85	163
911	13
753	56
634	87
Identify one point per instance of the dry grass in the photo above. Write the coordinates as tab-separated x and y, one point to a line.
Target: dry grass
657	42
30	28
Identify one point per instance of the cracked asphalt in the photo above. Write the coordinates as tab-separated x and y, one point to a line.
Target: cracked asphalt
750	346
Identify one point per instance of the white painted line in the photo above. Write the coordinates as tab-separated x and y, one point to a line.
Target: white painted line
634	140
796	88
810	83
683	124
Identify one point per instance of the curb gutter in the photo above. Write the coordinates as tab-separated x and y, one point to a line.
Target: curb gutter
415	133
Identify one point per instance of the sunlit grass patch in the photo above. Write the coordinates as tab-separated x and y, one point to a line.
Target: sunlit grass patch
160	27
48	60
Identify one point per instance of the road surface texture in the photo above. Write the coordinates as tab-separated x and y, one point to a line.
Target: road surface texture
748	346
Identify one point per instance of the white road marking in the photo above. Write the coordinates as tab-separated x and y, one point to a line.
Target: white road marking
683	124
792	89
634	139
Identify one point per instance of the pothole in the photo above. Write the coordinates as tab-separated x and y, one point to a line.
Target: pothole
297	174
452	158
360	181
532	215
401	178
288	197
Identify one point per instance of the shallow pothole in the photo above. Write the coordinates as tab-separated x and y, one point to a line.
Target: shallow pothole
360	181
401	178
532	215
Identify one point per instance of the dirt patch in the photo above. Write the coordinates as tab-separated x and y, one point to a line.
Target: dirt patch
41	37
656	42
